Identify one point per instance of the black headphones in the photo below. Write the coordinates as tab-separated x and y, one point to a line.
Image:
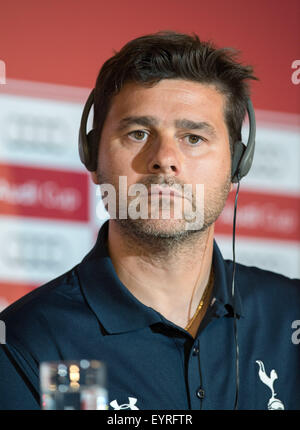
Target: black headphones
242	154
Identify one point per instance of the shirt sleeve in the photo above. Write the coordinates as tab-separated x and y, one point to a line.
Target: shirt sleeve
17	382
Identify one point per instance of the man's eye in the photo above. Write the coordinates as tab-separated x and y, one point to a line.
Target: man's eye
193	139
138	135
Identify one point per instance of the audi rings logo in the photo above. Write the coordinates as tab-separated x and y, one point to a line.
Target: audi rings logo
37	133
268	161
36	251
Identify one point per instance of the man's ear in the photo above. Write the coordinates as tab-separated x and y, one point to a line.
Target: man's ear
231	186
94	177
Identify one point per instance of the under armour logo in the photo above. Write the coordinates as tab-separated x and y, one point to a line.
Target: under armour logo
273	404
130	405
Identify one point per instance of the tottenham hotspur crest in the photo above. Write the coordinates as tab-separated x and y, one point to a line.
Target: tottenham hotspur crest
274	403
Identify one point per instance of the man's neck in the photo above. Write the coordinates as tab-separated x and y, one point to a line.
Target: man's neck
171	281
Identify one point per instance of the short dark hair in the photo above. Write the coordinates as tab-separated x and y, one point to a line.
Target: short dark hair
170	55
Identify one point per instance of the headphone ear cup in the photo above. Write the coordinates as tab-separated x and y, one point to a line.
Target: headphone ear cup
237	161
92	146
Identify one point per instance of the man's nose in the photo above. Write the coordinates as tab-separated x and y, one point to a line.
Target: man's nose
165	158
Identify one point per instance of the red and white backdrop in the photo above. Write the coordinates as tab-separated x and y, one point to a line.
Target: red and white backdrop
52	52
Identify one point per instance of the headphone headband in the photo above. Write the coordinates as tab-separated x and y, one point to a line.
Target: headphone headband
242	155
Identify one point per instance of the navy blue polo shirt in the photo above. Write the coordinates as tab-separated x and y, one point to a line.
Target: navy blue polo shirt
88	313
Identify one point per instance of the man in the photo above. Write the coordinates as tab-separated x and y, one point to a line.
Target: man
153	298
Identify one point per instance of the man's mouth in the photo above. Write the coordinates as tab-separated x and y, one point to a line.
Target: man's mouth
165	190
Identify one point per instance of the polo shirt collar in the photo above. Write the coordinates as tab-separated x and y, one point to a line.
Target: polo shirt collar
116	308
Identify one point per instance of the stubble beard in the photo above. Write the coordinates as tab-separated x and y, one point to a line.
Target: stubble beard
165	235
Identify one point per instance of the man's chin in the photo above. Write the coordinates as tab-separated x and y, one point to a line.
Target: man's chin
159	228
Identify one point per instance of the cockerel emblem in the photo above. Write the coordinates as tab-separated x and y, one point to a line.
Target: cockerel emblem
274	403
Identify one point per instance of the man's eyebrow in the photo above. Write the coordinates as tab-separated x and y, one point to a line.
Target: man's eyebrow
195	125
148	121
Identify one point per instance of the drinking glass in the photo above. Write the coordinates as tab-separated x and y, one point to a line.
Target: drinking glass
73	385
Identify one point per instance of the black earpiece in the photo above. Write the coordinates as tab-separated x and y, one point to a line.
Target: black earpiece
88	143
243	155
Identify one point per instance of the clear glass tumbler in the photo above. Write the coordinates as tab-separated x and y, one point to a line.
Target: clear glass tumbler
73	385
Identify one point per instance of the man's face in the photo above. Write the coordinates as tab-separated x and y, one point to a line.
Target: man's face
172	133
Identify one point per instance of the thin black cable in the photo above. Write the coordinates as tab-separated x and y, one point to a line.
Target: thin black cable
233	298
